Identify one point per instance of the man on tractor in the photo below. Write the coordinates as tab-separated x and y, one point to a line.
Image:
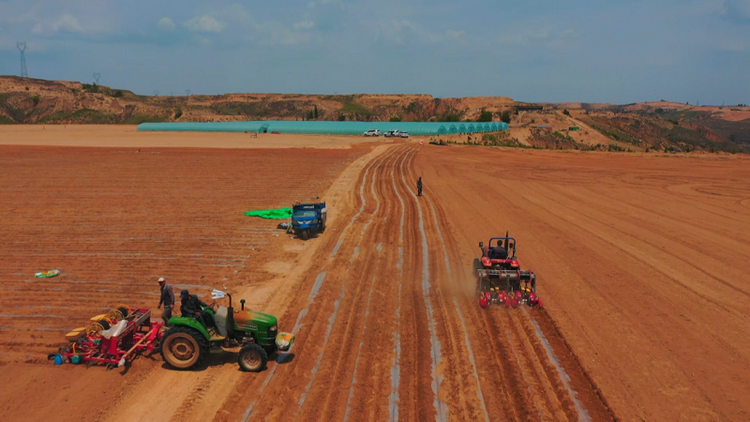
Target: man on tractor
498	252
191	306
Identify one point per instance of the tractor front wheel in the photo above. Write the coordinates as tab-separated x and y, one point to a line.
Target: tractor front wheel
304	234
183	347
252	358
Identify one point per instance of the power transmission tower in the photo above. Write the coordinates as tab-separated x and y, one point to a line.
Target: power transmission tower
97	75
156	93
188	92
22	47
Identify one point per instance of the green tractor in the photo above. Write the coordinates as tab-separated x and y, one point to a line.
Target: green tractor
188	341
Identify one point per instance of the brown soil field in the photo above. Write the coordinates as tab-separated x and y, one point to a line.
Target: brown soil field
125	136
112	221
641	262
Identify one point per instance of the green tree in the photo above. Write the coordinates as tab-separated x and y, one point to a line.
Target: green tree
505	116
485	116
566	112
310	115
93	88
316	112
395	119
342	117
35	100
450	118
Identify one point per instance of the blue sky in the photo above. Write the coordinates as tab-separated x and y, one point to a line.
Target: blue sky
533	50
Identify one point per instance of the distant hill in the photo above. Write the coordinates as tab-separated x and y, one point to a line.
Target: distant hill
652	126
24	100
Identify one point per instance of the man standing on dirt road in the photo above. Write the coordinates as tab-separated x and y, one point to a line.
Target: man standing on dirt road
419	186
167	298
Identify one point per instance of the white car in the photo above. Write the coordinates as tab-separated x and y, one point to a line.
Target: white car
391	133
372	132
403	134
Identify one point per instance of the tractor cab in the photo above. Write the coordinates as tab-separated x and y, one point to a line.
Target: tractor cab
500	253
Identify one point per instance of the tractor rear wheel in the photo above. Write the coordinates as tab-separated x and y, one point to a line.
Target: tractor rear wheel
477	265
304	234
252	358
183	347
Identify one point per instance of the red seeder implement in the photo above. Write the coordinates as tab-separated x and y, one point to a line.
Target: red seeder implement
112	339
500	279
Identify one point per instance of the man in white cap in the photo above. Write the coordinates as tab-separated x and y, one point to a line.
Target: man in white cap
167	298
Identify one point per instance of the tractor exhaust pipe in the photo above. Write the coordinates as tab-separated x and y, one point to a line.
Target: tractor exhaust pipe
230	318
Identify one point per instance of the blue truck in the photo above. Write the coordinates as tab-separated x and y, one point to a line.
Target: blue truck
308	219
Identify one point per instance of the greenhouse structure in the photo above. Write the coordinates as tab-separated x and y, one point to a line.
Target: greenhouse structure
327	128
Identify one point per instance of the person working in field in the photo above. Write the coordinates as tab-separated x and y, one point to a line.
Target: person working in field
419	186
191	306
498	252
166	299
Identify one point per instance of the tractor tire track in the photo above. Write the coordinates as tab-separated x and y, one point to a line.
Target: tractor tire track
457	354
531	383
338	275
400	337
441	409
370	393
315	290
340	365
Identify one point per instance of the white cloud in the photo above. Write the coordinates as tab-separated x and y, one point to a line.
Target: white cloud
524	36
67	23
235	12
275	33
304	26
166	24
205	23
455	35
244	27
405	31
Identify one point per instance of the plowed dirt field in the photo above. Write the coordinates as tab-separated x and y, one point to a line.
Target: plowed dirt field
112	221
642	263
641	260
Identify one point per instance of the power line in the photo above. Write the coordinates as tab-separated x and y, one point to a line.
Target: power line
156	93
97	75
188	92
22	48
